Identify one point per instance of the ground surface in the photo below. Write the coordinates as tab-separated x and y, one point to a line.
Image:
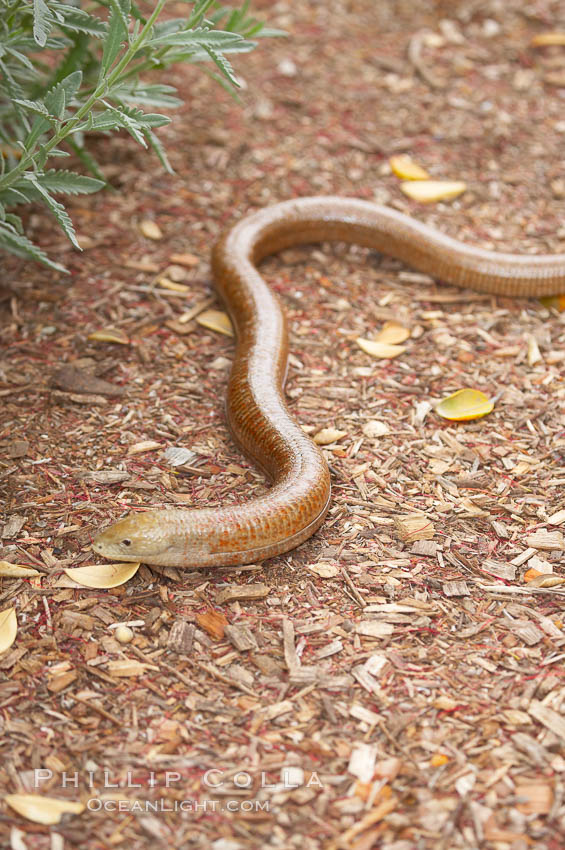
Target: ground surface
415	690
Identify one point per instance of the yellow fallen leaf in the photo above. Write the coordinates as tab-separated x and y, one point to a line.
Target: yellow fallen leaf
16	571
404	166
380	350
216	320
428	191
150	229
464	404
547	39
327	436
109	335
45	810
166	283
144	446
545	580
392	333
8	628
555	302
103	575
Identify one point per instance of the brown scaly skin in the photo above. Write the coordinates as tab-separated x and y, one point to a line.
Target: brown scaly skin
297	503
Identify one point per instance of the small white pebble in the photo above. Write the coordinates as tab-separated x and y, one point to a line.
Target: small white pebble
124	634
287	68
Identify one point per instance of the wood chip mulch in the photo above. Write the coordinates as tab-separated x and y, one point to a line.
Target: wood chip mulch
398	681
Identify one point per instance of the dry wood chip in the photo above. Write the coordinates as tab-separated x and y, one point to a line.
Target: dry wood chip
533	749
424	547
557	518
177	455
539	797
414	527
18	448
548	717
127	667
188	260
242	637
277	709
213	622
499	569
74	619
57	681
290	656
243	591
13	526
181	637
330	649
144	446
362	761
549	541
523	557
365	679
365	714
374	628
456	588
107	476
528	633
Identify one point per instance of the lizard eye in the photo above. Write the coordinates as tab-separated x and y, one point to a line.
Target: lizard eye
126	542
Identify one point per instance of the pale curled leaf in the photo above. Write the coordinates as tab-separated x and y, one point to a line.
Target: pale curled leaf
150	229
8	628
45	810
464	405
16	570
429	191
380	350
173	286
103	575
327	436
392	333
404	166
109	335
216	320
549	39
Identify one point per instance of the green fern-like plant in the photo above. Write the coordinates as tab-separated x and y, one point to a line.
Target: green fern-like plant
69	68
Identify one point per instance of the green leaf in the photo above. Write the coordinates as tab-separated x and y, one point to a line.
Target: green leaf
13	196
156	145
147	95
18	244
62	93
222	63
34	106
117	34
78	20
42	22
199	37
64	182
56	208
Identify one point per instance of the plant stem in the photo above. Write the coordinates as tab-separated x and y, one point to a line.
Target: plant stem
101	90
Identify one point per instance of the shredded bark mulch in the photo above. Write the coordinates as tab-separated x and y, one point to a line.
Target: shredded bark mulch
398	681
